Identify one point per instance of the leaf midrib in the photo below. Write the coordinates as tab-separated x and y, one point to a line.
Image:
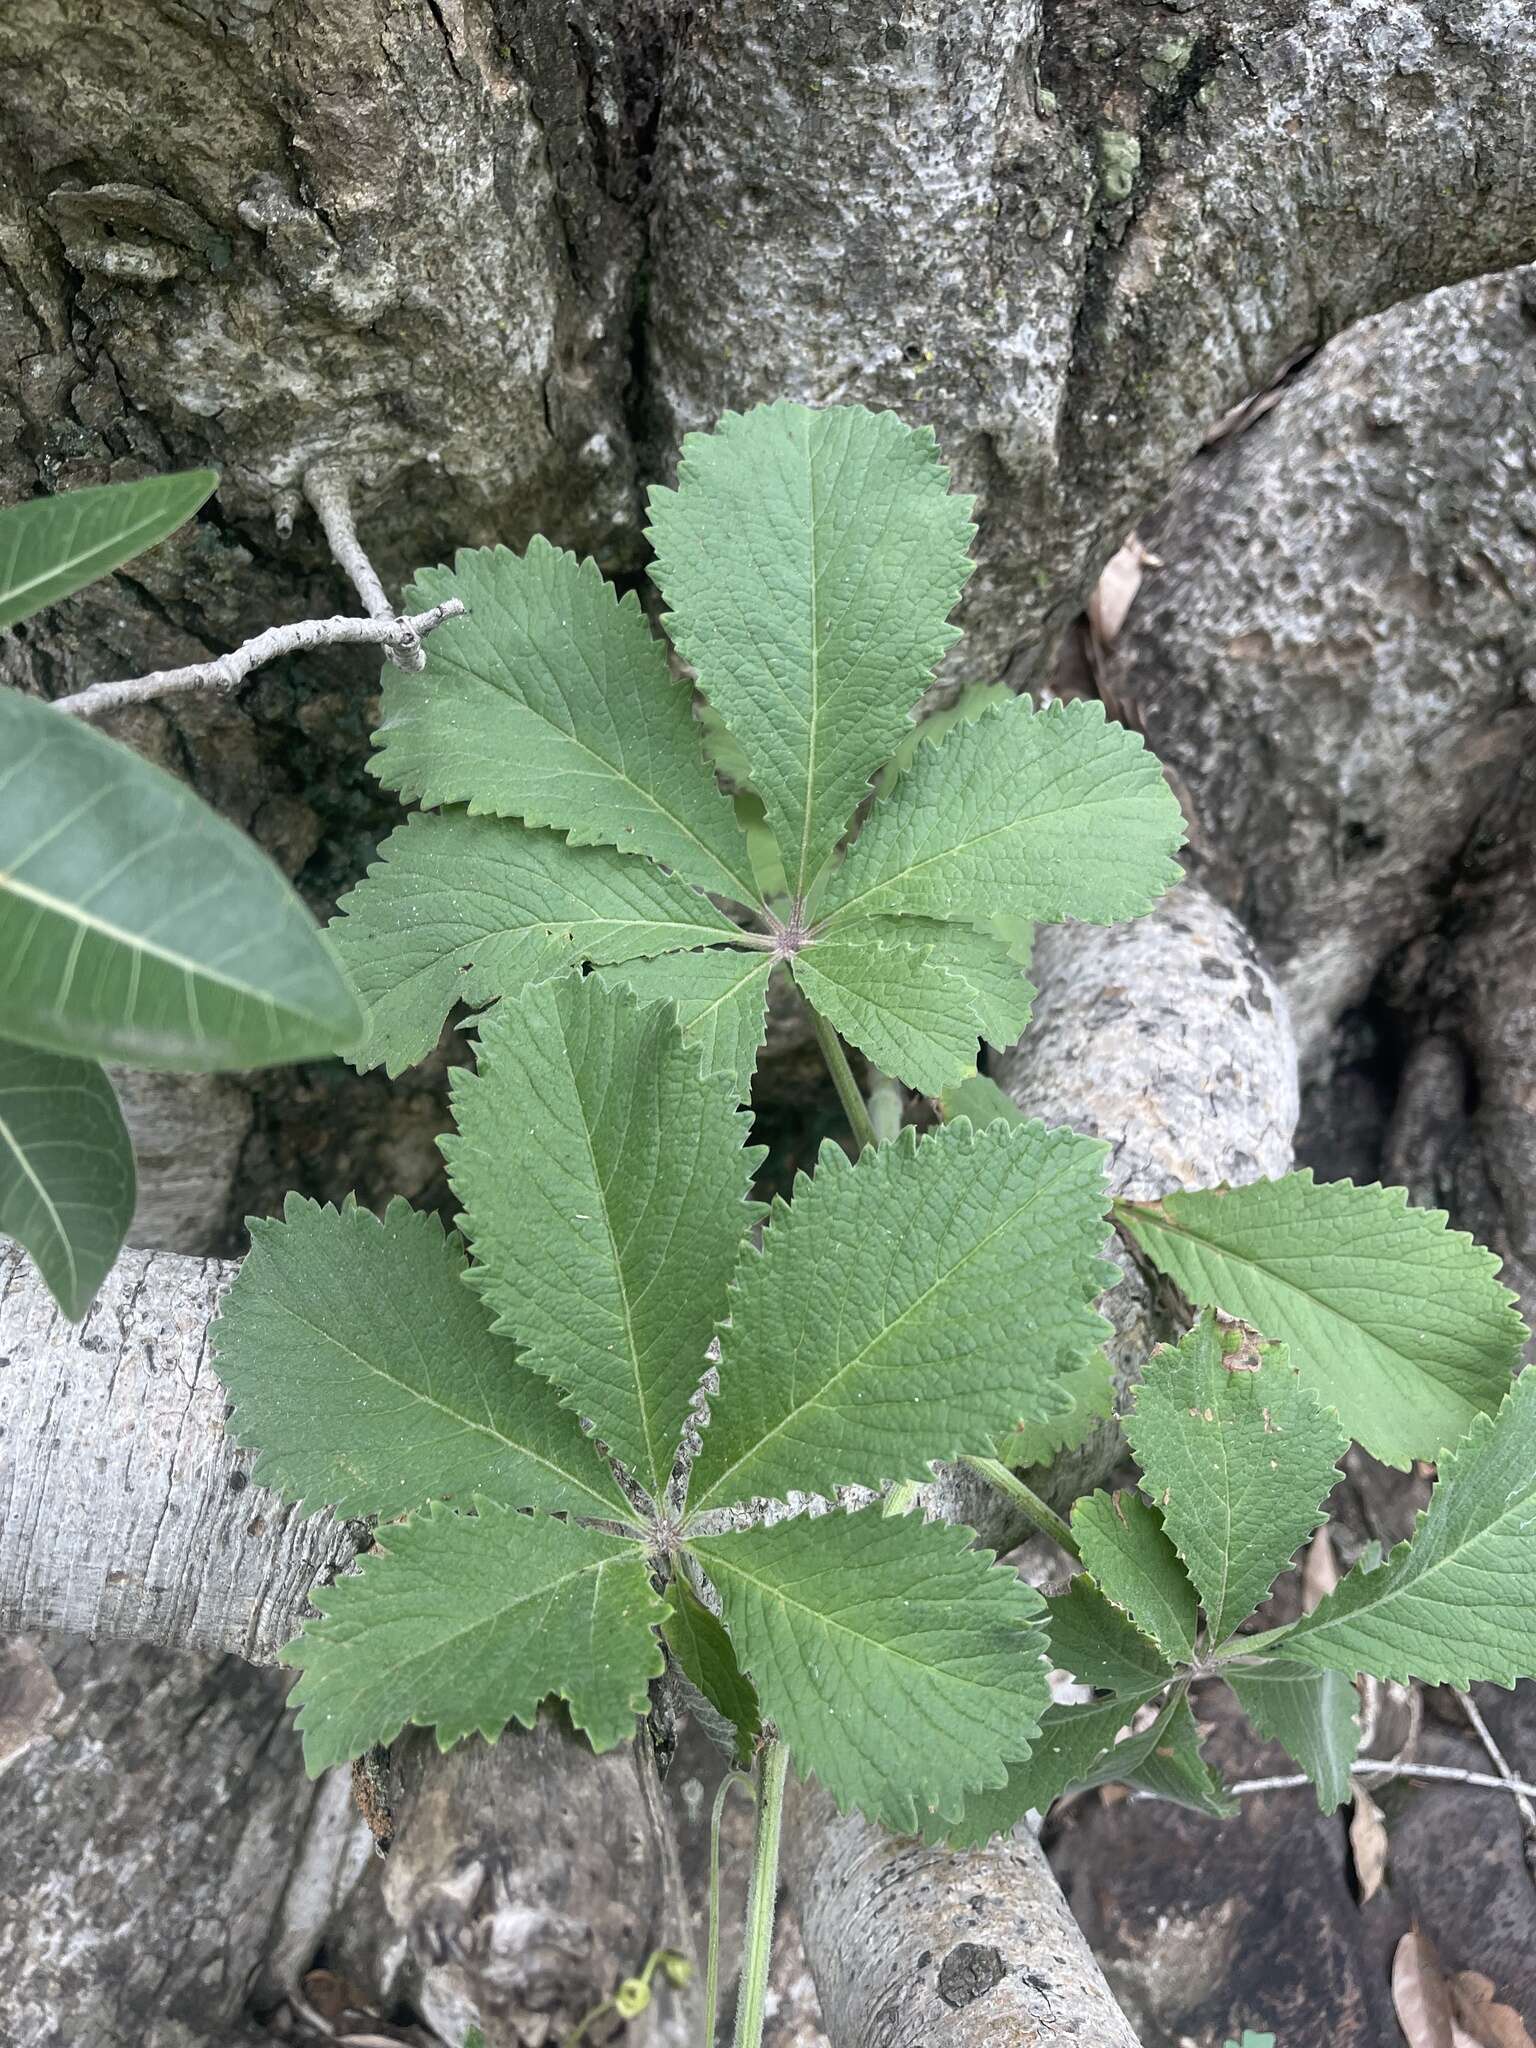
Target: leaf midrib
1157	1220
72	914
429	1401
942	1280
781	1598
9	1139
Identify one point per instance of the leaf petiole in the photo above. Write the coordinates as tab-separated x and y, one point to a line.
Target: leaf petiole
762	1896
848	1093
1029	1504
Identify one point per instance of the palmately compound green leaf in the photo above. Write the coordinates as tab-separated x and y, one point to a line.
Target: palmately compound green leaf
1453	1605
897	1002
1240	1456
552	702
463	910
1043	815
1003	993
899	1664
66	1170
1398	1323
1313	1715
721	997
50	547
604	1183
1077	1746
910	1307
137	925
369	1378
810	561
467	1622
703	1653
1125	1547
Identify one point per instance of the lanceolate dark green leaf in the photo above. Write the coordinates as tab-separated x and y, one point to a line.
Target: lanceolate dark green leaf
907	1308
50	547
463	1623
552	701
462	910
900	1664
810	561
369	1378
66	1170
1101	1645
704	1655
604	1183
137	925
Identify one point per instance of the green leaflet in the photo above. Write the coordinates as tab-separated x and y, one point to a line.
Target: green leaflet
1240	1456
66	1170
897	1002
703	1653
462	910
552	702
604	1186
467	1622
1453	1605
1100	1645
1091	1386
368	1376
1313	1715
1042	815
1398	1323
1125	1547
721	997
1173	1767
136	925
843	1616
1002	993
810	560
980	1099
51	547
907	1308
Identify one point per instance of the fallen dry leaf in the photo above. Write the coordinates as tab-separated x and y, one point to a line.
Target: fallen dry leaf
29	1698
1478	2020
1112	596
1368	1844
1421	1997
1319	1570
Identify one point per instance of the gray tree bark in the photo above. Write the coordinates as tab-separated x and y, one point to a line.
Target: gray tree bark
1337	661
493	260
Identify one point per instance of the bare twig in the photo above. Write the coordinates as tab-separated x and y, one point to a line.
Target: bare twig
1385	1767
228	670
326	489
1500	1763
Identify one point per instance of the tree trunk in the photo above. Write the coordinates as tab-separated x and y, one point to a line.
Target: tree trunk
490	261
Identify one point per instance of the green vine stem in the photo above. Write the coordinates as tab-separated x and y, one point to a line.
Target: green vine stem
762	1896
712	1955
1030	1505
848	1094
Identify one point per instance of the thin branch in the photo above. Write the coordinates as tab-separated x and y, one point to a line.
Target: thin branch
1385	1767
326	490
229	670
1500	1762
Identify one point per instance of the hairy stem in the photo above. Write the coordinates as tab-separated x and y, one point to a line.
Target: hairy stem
854	1106
712	1957
762	1897
1030	1505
